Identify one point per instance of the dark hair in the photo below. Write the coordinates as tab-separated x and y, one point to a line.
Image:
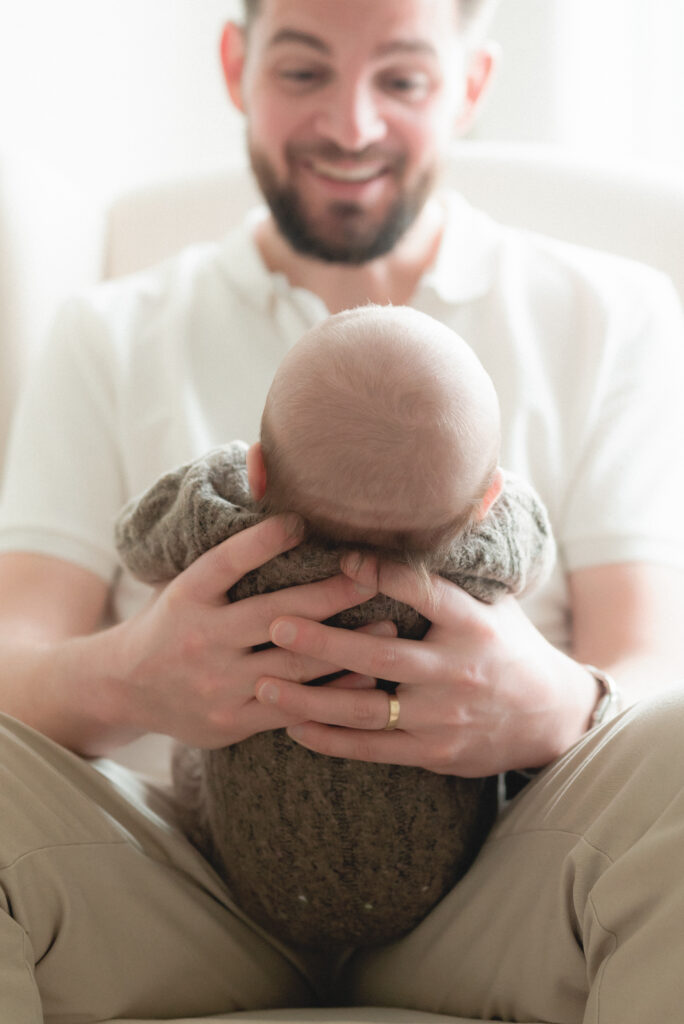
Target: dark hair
470	10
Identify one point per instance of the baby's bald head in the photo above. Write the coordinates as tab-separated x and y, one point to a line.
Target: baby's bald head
381	426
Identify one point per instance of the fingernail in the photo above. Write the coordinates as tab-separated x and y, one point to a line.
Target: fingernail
352	562
384	629
294	525
268	693
295	731
283	633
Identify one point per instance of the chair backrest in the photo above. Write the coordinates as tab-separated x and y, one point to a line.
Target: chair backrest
638	213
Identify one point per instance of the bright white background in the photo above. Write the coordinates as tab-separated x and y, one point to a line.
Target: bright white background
110	93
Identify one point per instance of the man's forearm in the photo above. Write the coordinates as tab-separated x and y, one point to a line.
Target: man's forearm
626	620
55	661
185	665
644	674
66	689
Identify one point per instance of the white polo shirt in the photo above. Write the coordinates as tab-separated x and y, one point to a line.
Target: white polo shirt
144	373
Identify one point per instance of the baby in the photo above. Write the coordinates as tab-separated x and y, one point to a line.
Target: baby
381	428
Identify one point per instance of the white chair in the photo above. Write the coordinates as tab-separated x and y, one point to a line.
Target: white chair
633	212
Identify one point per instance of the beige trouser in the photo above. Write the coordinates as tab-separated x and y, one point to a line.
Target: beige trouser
574	910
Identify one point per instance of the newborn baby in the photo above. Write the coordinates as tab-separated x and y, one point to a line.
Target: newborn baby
381	429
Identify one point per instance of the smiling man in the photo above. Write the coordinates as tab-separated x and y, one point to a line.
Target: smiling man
346	178
574	909
347	135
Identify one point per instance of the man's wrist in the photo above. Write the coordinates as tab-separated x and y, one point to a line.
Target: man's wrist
609	703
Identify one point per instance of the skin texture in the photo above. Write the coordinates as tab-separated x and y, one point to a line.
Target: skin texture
176	667
182	665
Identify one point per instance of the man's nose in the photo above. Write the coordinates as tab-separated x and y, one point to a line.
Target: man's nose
352	117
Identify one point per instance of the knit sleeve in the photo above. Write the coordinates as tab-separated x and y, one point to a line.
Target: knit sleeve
186	512
511	551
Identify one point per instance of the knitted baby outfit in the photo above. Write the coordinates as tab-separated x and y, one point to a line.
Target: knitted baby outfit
325	851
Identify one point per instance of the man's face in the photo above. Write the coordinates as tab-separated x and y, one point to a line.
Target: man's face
350	106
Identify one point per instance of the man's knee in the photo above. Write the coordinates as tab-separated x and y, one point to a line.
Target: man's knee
647	734
632	765
46	796
662	711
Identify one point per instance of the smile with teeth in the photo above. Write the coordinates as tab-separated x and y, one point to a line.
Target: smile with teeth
354	175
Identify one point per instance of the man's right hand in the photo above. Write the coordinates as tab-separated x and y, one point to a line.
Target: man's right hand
183	666
186	662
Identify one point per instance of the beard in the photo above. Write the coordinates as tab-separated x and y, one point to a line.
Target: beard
348	236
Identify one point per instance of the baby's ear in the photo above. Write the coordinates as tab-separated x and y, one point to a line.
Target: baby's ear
490	495
256	471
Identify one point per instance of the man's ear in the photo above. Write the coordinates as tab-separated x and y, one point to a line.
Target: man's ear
490	495
482	65
233	52
256	471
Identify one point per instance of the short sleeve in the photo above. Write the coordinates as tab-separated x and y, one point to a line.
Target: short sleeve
626	492
63	481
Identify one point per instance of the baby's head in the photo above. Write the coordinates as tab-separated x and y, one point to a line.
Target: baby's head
381	428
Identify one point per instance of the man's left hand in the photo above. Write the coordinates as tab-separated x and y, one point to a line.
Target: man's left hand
482	693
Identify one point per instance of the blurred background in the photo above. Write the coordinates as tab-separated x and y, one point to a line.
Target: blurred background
101	96
109	93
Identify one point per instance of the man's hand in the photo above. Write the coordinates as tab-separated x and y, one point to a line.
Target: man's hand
185	665
482	693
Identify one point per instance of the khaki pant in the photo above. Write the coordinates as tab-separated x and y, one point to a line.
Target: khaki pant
573	912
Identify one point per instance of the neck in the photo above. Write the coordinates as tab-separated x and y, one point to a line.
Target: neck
391	278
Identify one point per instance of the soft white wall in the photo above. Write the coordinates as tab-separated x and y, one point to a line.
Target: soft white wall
523	103
599	77
620	78
95	96
111	92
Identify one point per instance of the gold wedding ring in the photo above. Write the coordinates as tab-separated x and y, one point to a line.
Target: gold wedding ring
393	720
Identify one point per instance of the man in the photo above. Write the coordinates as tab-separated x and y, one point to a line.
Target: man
574	909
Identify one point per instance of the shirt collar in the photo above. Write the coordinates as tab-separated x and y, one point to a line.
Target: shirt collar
465	266
243	264
463	270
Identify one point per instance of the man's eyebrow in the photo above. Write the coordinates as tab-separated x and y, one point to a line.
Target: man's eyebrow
292	35
418	46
